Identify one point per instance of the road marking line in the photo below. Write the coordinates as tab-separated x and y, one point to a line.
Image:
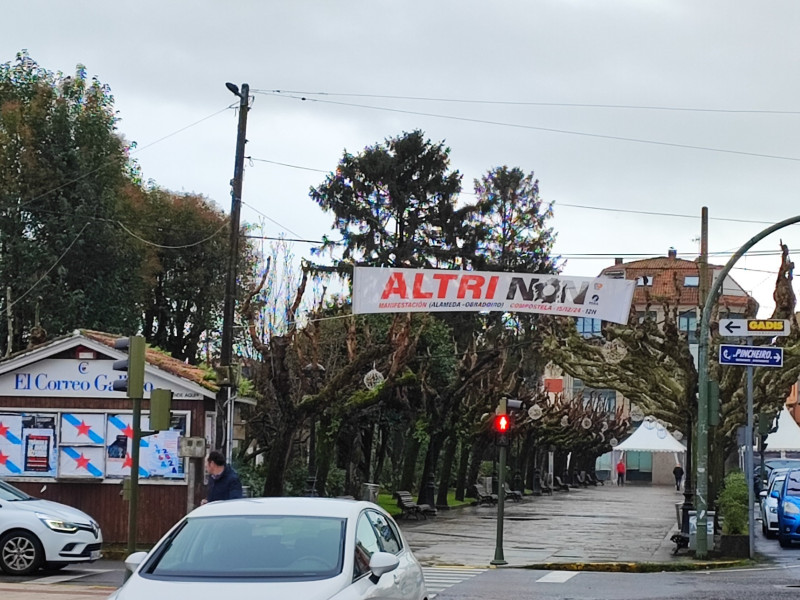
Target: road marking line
62	578
557	577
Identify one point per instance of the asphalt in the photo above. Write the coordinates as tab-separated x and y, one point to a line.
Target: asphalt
604	528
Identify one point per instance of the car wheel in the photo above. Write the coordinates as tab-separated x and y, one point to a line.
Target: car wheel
784	541
21	553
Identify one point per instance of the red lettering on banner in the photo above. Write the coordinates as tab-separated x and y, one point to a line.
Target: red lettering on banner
444	281
395	285
492	287
417	291
471	283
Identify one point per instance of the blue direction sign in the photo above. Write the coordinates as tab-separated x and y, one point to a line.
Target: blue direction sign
756	356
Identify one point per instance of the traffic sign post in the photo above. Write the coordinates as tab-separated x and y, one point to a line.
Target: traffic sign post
754	356
754	327
751	356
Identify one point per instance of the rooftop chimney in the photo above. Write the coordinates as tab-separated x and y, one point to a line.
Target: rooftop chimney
672	253
618	261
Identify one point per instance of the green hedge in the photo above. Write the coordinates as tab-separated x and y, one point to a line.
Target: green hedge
733	502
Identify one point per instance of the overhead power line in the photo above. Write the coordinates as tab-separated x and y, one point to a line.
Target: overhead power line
531	103
546	129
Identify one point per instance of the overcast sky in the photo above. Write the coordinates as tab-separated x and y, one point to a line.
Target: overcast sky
685	104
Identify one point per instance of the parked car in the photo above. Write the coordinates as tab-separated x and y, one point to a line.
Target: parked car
37	533
769	505
789	509
309	548
769	466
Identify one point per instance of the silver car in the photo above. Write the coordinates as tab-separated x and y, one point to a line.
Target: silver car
769	506
37	533
309	548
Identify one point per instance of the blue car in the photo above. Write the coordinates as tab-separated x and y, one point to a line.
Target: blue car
789	509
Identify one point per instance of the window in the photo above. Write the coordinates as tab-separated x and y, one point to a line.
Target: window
644	281
650	314
615	274
241	546
589	327
691	281
604	400
387	534
366	545
687	322
86	445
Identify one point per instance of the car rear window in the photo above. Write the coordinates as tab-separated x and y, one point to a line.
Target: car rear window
793	484
274	547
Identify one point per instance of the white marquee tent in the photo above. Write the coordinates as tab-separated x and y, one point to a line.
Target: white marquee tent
650	438
787	437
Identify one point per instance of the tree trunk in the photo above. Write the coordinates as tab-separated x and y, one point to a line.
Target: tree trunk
381	453
446	473
409	464
463	464
324	455
277	461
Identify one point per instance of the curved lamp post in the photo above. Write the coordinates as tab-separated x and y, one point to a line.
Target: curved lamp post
701	549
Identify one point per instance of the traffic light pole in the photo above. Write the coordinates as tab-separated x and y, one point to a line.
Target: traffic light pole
701	550
499	559
133	503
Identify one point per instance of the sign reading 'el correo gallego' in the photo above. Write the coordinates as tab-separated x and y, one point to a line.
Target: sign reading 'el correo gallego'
387	290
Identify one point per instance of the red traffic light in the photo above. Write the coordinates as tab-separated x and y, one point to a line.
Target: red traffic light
502	423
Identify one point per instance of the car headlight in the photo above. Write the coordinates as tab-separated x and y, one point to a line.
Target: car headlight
790	509
57	524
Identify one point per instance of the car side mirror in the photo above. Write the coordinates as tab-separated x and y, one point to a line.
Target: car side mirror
775	494
763	493
382	562
134	560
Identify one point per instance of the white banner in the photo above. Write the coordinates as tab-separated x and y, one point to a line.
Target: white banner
387	290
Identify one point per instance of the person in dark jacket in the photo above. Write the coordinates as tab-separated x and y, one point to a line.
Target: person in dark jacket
223	482
678	473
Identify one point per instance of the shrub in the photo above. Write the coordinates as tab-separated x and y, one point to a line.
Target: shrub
733	504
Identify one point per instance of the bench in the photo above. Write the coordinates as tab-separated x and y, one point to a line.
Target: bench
405	502
482	496
515	495
560	485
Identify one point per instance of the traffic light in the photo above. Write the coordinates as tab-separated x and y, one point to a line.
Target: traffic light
133	365
160	406
502	425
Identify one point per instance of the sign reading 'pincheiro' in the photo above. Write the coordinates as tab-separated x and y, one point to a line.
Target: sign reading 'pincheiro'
756	356
387	290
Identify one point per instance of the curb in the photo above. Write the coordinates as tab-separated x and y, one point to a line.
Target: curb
632	567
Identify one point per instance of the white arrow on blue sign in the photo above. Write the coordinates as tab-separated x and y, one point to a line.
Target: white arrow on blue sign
756	356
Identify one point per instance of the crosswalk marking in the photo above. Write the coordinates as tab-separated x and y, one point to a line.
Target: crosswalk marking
441	578
76	574
557	577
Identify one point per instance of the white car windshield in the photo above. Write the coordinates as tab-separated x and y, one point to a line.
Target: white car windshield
282	547
11	494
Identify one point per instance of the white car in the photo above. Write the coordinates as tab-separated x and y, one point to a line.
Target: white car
38	533
769	506
292	548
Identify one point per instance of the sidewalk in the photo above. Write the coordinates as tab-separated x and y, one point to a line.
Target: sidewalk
604	524
32	591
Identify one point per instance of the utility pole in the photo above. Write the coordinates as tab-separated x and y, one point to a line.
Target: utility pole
226	352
